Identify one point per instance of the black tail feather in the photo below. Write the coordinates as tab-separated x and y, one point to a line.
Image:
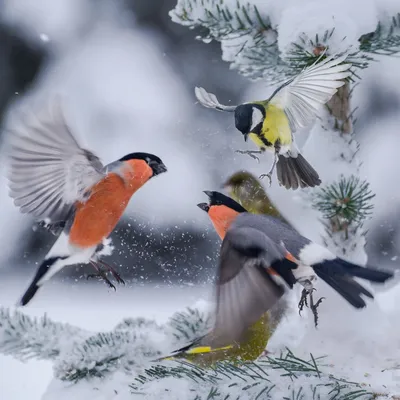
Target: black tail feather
294	172
368	273
339	275
33	288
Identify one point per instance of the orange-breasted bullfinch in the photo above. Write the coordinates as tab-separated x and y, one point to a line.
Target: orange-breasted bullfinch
245	292
309	259
52	178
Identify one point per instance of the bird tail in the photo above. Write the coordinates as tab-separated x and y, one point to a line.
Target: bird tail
294	172
193	348
34	286
339	274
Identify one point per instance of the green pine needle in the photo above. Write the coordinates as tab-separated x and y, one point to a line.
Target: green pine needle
347	201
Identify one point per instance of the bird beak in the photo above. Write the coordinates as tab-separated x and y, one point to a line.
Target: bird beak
158	168
208	193
203	206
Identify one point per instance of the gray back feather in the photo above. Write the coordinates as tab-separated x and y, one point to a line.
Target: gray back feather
274	229
48	170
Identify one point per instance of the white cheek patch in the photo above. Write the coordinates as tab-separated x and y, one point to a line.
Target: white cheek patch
256	118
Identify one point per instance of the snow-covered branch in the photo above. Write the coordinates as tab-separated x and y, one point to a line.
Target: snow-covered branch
262	40
134	344
25	337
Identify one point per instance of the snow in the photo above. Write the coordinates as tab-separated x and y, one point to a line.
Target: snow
357	349
251	48
342	18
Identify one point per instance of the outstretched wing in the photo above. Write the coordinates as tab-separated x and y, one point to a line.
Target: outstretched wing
48	170
303	96
209	100
245	289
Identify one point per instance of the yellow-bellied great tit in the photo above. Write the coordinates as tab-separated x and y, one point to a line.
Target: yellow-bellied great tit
271	123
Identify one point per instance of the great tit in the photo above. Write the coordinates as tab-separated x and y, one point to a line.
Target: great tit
271	123
52	178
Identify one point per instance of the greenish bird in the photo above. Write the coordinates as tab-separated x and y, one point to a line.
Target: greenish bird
249	192
271	123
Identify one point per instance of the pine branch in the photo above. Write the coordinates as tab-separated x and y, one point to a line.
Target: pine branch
345	202
249	40
255	380
133	343
242	29
26	337
385	40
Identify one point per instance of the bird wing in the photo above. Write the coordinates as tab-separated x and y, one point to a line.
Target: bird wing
303	96
209	100
245	290
48	170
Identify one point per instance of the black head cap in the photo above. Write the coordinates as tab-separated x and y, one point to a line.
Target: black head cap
218	199
243	118
153	161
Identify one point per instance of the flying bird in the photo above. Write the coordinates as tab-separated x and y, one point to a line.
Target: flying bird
249	301
311	260
271	123
54	179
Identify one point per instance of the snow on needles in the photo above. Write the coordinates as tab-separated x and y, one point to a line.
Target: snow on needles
252	31
339	18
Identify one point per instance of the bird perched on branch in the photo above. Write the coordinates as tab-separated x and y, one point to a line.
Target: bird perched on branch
271	123
248	191
53	179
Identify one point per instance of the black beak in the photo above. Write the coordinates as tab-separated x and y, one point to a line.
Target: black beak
158	168
203	206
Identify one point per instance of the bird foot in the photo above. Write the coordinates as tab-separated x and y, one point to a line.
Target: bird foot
113	272
313	306
250	153
269	176
104	278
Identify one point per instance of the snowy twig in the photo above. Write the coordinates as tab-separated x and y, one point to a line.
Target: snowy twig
249	38
270	378
26	337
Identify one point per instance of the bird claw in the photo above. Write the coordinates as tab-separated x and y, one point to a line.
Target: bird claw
104	278
313	306
269	176
250	153
113	272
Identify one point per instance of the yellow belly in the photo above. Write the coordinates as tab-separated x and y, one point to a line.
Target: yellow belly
275	126
249	350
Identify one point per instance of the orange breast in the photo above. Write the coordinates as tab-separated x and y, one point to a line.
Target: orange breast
222	217
97	217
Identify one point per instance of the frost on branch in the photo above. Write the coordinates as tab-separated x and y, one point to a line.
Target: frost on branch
134	344
25	337
263	39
